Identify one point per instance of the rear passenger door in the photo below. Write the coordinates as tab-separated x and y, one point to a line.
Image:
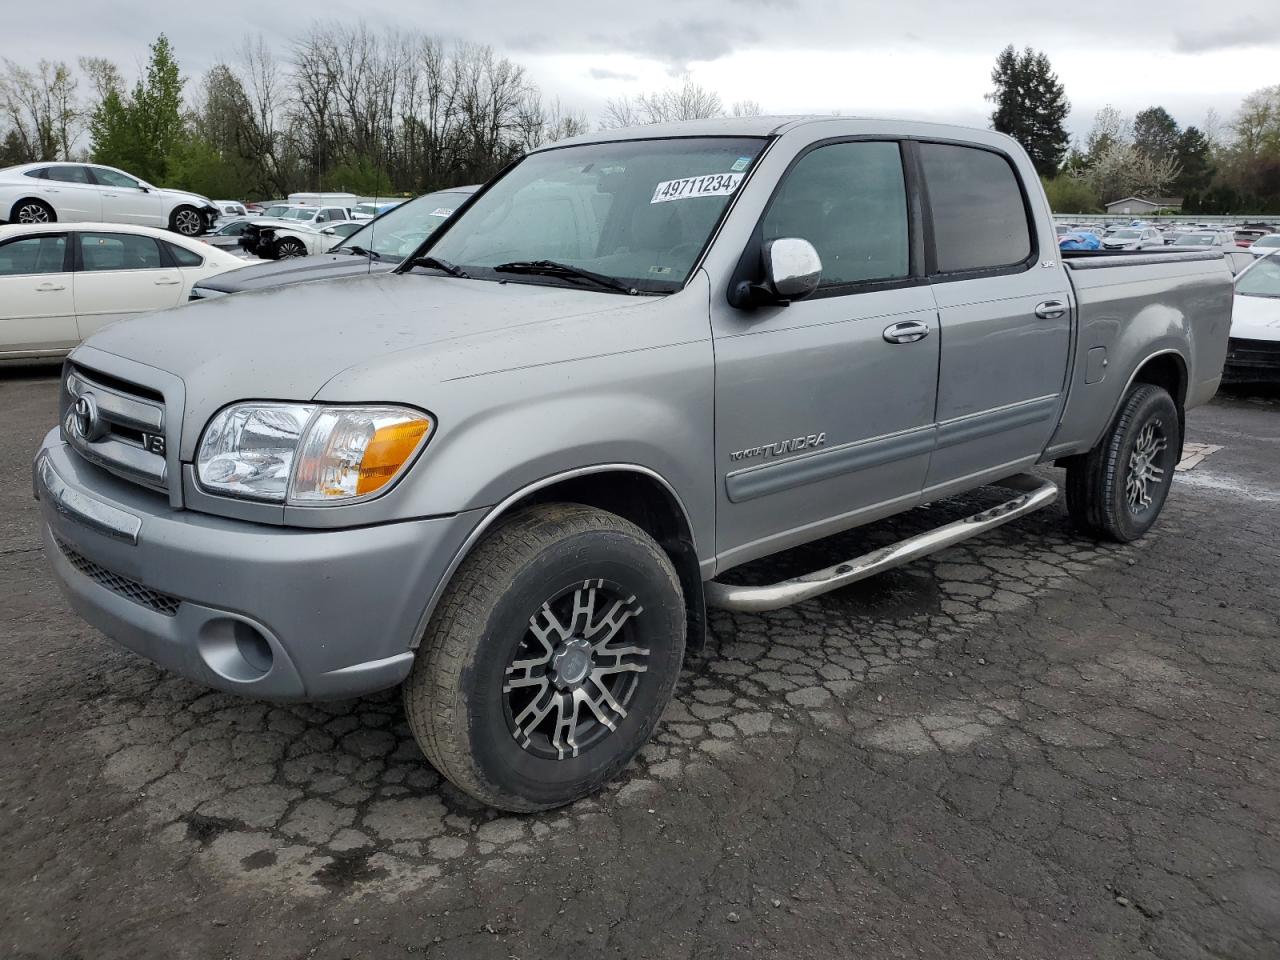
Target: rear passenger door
119	275
1003	306
72	192
824	408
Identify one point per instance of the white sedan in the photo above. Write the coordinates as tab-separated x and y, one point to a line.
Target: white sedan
70	192
61	282
1253	351
277	240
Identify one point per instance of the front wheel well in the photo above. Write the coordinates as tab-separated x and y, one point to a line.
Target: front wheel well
650	505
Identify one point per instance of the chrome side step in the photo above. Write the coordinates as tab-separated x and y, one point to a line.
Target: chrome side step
1033	493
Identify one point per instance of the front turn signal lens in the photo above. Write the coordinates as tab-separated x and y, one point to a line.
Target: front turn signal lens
350	453
388	451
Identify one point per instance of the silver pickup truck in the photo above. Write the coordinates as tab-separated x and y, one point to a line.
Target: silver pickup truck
512	474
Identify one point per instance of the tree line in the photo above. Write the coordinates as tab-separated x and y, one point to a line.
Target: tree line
1218	167
341	107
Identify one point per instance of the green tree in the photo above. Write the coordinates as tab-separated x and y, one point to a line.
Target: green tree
1070	194
1156	134
1193	155
139	132
1031	106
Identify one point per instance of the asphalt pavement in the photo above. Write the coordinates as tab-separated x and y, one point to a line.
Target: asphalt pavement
1033	745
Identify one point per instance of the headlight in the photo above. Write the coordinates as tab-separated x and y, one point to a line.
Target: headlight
308	454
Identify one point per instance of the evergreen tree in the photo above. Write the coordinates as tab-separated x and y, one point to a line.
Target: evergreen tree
1193	155
1156	134
139	132
1031	106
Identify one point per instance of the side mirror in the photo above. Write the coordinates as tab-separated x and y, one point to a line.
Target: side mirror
792	271
329	231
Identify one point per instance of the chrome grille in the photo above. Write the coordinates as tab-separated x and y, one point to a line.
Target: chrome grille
139	593
117	425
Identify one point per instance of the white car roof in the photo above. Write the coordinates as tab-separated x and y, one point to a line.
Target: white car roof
194	244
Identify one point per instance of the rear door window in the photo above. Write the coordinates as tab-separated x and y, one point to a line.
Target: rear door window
184	257
980	219
69	173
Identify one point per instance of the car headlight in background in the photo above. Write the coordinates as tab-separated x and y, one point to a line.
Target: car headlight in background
308	454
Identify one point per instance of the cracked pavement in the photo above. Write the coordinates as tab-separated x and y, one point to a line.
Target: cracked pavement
1031	745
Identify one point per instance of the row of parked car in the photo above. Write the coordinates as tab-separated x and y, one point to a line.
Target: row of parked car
1257	239
67	271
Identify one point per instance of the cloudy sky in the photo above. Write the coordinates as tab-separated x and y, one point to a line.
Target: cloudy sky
929	59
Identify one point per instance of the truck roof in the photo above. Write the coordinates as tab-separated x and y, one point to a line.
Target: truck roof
768	126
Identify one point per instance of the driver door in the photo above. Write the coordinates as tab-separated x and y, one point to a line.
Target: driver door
825	408
125	200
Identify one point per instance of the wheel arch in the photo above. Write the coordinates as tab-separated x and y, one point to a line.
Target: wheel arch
1166	369
13	207
631	491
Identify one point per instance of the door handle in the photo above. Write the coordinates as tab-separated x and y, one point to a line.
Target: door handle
50	287
907	331
167	283
1051	309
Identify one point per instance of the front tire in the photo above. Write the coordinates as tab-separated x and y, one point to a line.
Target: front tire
32	211
289	248
549	659
1117	490
186	221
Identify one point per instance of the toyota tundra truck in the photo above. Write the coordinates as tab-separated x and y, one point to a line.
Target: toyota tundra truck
511	475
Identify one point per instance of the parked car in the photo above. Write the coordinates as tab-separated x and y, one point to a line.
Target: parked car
1215	239
61	282
279	242
1247	236
1253	352
1079	240
324	199
226	235
378	246
512	473
230	209
1133	238
90	192
291	233
369	210
1265	245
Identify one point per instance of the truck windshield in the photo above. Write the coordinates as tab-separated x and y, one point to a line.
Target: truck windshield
402	229
637	211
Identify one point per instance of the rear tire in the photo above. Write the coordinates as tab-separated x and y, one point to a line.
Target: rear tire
32	211
549	659
1117	490
186	221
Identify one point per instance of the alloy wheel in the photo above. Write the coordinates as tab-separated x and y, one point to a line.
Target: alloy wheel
575	670
32	213
187	223
1145	476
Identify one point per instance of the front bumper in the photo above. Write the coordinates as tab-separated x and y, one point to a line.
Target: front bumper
1252	361
270	612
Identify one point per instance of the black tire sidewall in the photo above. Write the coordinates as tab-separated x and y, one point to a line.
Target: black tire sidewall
17	208
1145	404
173	222
614	556
289	244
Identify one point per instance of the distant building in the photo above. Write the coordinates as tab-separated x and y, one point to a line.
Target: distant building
1137	205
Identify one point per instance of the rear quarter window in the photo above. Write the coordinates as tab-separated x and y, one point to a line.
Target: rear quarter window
980	219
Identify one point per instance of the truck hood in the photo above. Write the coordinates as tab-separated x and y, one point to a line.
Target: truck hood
287	343
1255	318
276	273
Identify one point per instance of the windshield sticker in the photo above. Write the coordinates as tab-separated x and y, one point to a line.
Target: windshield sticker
712	185
660	270
740	164
442	211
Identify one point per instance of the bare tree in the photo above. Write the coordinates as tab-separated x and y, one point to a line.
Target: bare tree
746	108
690	101
41	108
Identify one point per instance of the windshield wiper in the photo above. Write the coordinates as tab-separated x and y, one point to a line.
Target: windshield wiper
435	263
362	252
553	268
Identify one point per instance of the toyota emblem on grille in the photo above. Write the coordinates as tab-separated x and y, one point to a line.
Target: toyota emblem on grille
84	415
